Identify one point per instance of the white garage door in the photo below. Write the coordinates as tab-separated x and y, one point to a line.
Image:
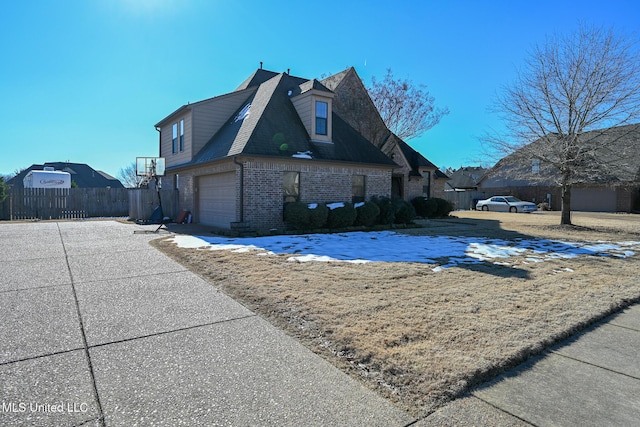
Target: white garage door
217	199
593	199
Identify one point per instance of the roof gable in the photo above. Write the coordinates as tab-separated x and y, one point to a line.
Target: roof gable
353	103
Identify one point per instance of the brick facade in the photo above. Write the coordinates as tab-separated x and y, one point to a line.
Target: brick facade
319	183
263	196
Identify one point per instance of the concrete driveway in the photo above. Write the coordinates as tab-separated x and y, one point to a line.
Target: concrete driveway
99	328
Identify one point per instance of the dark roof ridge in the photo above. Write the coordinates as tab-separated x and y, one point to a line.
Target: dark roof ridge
261	76
314	84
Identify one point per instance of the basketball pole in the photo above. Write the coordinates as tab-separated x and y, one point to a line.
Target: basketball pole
155	176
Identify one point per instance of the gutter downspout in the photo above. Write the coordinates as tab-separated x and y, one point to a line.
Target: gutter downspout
159	141
241	187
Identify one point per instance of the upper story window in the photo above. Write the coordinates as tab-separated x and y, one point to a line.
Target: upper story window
322	112
535	165
174	141
182	135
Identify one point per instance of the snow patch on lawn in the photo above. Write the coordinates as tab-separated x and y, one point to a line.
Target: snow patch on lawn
388	246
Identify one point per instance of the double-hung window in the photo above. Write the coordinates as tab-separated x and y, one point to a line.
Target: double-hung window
322	113
182	135
174	140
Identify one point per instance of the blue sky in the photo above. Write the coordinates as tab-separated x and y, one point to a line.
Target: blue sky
86	80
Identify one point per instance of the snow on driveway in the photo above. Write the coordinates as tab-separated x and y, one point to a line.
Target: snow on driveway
388	246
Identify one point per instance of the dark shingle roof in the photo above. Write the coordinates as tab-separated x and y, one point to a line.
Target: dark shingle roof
417	160
82	174
267	124
261	76
313	84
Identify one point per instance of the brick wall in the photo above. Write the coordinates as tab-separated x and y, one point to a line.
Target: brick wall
263	197
319	183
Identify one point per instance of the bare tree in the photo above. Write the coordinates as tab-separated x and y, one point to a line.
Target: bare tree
585	81
3	190
406	109
128	176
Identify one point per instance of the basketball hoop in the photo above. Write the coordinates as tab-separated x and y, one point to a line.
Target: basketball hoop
150	166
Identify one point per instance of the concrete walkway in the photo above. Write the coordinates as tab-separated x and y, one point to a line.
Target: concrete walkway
592	379
99	328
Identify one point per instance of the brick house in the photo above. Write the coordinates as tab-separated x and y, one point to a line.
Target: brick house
609	183
238	157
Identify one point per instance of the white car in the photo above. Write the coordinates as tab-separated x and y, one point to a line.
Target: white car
505	204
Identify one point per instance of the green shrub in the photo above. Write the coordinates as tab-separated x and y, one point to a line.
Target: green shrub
318	215
444	207
296	214
387	213
404	212
343	216
367	214
424	207
433	207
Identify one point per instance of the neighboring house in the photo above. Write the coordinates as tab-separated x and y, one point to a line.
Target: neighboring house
465	178
462	187
238	157
82	175
611	182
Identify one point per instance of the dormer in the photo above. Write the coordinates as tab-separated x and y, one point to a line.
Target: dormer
314	106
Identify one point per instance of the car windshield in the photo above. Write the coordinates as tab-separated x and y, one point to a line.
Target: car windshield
512	199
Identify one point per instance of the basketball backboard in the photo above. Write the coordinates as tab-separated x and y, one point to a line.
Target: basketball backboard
150	166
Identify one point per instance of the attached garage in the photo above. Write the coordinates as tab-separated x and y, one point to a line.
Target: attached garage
217	199
593	199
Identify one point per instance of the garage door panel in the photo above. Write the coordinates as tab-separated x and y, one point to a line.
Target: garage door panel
593	199
217	199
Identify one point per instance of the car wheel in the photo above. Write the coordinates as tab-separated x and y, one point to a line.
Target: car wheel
485	208
513	209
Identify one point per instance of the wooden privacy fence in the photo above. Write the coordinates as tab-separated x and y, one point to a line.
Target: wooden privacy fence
465	200
142	203
75	203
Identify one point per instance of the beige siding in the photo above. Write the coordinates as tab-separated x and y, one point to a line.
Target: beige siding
166	141
302	104
210	115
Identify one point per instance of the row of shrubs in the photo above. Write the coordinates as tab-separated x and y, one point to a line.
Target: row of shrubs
378	211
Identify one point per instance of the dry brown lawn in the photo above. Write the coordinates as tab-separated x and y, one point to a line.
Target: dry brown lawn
422	338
